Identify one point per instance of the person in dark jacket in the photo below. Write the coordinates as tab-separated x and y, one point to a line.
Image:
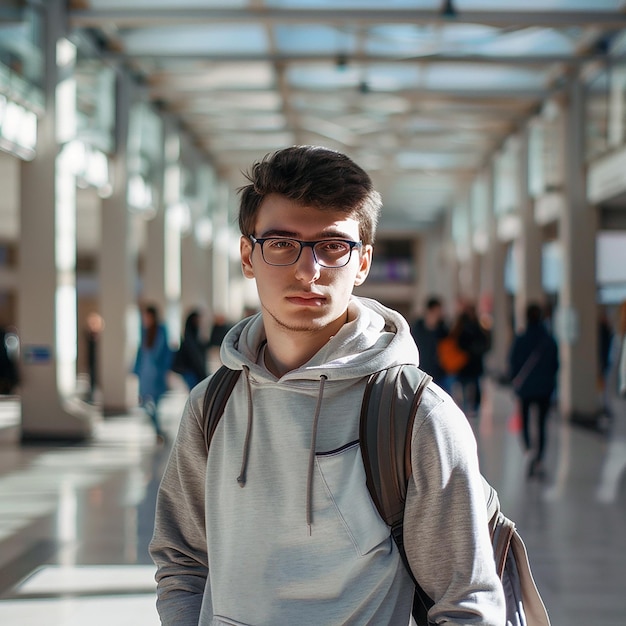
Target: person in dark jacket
190	360
473	339
427	332
533	366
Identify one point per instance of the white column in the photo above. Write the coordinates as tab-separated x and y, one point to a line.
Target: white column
153	279
196	275
528	244
492	288
502	331
118	273
577	322
434	268
475	269
220	253
153	276
47	270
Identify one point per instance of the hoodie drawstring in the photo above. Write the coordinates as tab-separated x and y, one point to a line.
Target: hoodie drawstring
241	479
309	480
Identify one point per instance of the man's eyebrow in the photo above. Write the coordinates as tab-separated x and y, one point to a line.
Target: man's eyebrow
326	234
275	232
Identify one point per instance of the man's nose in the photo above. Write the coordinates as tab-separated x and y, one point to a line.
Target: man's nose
307	266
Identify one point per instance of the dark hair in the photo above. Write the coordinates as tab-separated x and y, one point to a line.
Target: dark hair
316	177
533	314
191	323
151	330
433	303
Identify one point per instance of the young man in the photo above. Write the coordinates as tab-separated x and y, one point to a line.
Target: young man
277	526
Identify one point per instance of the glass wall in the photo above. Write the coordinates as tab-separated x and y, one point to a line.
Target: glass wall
21	79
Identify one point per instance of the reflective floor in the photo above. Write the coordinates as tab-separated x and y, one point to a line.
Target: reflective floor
75	521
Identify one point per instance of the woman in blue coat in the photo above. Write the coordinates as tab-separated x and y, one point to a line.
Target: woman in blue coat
152	364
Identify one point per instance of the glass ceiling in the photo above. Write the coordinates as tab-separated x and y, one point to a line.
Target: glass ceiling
420	92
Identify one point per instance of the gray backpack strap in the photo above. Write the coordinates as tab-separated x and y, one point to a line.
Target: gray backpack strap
386	424
388	411
221	385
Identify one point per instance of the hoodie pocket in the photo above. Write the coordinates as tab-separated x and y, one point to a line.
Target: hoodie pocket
343	475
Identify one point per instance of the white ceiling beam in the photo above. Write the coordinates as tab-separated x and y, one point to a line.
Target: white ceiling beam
530	60
131	18
508	96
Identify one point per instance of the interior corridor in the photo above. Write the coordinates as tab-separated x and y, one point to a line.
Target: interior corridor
76	521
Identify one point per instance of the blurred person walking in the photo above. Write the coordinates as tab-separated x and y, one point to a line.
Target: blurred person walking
219	329
190	359
9	377
152	365
427	332
616	371
605	345
533	366
93	331
614	464
473	339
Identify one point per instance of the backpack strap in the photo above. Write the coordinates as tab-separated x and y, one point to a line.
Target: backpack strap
390	403
386	443
221	385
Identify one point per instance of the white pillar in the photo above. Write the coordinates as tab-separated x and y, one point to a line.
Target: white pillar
153	283
434	267
153	275
118	272
474	271
196	275
493	289
528	246
577	322
47	270
221	250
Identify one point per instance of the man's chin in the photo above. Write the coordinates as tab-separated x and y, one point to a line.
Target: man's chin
304	322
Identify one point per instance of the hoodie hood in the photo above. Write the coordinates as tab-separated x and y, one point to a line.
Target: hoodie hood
374	338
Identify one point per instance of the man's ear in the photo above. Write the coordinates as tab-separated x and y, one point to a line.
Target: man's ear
245	250
365	262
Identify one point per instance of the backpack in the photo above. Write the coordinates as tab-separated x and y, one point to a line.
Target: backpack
385	447
451	358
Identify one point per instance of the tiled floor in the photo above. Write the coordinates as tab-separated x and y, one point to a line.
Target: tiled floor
75	521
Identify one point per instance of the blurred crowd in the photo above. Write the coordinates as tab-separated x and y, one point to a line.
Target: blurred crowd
453	349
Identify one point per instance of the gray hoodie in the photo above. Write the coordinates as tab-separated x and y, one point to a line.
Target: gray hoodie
277	527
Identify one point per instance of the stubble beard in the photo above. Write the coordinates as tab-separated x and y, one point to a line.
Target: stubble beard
306	326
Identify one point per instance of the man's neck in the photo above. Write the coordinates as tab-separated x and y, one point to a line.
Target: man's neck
287	350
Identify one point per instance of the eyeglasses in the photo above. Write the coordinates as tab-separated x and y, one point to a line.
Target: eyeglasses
283	251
